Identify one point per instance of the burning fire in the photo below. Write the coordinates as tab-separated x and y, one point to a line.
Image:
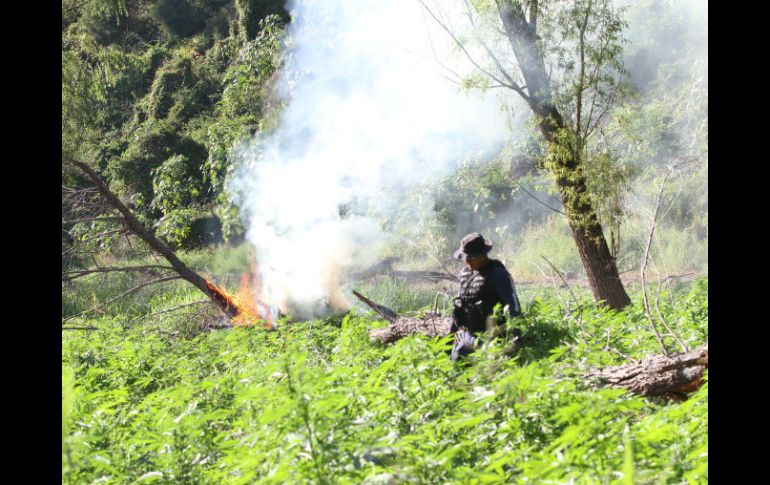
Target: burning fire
242	305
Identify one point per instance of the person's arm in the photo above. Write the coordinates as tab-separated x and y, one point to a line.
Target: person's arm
503	284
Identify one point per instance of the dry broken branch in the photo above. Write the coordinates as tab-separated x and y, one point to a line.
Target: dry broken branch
385	267
122	295
425	275
583	332
116	269
167	310
645	259
382	310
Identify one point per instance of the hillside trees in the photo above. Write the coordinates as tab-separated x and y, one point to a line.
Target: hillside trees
157	109
568	72
250	12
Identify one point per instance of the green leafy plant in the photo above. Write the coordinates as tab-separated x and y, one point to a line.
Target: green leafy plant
319	402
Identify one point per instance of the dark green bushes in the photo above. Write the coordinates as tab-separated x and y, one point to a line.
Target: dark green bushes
156	94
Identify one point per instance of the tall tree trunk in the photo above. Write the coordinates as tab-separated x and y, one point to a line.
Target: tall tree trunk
599	264
566	165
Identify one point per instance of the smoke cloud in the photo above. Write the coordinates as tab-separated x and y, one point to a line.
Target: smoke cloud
368	113
371	111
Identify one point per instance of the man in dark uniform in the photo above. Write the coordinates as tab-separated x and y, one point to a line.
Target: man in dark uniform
484	283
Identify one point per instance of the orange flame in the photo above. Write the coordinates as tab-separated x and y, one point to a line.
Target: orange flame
249	312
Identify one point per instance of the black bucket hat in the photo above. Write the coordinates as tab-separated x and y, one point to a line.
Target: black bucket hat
473	245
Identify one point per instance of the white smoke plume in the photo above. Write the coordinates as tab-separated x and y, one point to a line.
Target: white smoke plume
369	112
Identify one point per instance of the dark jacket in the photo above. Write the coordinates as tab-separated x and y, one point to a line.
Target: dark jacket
480	291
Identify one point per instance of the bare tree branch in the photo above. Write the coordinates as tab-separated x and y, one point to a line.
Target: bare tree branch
90	219
168	310
581	77
122	295
438	61
594	92
600	116
491	55
553	282
645	258
663	318
459	44
533	196
83	272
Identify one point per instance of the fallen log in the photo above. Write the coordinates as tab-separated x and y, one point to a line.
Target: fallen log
672	376
432	324
219	299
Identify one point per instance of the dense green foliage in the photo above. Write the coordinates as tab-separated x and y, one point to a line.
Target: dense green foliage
155	94
318	402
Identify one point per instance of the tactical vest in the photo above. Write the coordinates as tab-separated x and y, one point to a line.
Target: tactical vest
477	297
